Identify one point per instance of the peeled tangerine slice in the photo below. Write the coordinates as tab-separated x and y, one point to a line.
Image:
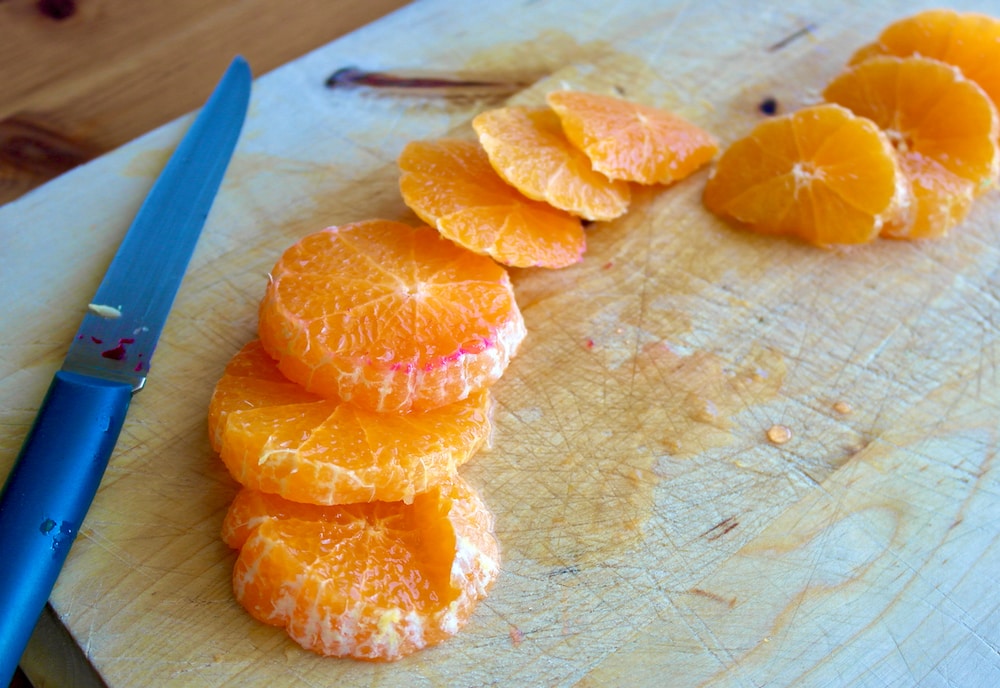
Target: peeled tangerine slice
943	127
631	141
390	317
275	437
374	581
451	186
967	40
820	173
527	147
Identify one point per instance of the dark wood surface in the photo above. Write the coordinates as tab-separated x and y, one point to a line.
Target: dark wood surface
82	77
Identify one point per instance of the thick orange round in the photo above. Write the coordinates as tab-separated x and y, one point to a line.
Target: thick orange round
390	317
451	186
277	438
528	148
820	173
967	40
631	141
943	127
374	581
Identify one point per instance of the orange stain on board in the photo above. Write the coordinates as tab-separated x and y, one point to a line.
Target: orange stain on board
701	392
659	405
597	64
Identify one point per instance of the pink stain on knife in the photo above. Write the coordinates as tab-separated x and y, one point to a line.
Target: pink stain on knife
118	353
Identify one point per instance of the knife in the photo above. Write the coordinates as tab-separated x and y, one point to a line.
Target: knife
57	473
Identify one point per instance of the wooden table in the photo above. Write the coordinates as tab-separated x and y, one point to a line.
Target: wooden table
82	77
651	532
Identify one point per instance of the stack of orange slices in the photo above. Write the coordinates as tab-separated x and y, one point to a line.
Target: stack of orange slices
904	142
345	424
347	420
521	191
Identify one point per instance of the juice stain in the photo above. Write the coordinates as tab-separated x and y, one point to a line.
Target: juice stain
593	474
693	396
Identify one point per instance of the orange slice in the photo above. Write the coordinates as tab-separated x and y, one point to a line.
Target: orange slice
820	173
631	141
251	379
450	185
390	317
528	148
967	40
373	581
943	126
275	437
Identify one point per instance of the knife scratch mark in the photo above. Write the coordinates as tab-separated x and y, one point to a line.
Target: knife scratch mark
721	528
701	630
429	83
668	31
714	596
563	570
790	38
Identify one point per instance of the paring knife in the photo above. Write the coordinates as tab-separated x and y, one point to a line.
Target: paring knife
56	475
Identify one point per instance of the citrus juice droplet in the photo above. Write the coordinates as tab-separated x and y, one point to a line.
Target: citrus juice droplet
843	408
779	434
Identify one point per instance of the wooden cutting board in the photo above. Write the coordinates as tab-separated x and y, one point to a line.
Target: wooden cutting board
650	530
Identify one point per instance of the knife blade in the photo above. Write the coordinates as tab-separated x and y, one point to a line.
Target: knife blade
59	468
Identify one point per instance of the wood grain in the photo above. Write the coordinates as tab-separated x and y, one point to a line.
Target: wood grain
651	532
82	77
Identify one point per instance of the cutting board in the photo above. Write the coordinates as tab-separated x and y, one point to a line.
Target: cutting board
651	531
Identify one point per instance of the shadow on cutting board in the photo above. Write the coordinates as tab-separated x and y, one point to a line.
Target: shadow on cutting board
53	659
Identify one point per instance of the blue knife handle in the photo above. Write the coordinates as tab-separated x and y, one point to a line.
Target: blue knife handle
47	495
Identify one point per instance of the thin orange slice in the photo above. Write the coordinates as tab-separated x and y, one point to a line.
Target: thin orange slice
451	186
390	317
280	439
374	581
943	126
251	379
631	141
820	173
967	40
528	148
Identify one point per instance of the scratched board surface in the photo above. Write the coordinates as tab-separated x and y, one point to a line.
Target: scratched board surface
649	528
